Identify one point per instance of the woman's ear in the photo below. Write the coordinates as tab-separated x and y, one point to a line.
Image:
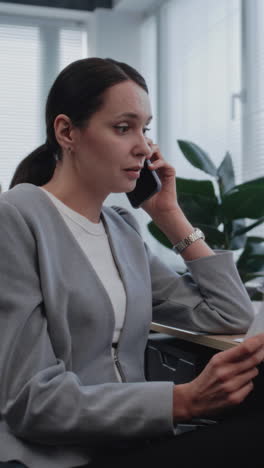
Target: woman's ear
63	129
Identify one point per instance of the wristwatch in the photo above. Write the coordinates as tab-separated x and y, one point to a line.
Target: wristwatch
190	239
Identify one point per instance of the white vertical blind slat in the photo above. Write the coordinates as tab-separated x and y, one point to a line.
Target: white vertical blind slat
70	41
31	55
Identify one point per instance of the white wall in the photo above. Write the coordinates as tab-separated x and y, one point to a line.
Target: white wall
116	35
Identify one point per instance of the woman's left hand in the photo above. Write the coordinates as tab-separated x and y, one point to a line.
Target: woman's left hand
165	211
164	201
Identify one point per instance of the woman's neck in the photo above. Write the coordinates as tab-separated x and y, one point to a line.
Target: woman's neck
75	196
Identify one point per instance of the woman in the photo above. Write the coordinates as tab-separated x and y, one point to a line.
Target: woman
79	285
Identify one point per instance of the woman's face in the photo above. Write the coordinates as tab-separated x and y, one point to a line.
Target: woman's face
111	149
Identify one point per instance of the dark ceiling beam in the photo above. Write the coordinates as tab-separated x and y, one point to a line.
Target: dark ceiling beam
87	5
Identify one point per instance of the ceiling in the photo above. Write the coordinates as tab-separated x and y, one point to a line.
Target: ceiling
137	6
86	5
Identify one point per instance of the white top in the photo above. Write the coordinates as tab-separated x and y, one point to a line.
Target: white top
93	240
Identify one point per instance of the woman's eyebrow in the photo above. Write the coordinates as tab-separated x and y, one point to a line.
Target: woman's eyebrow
132	115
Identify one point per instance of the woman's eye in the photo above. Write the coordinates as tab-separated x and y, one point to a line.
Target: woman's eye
122	128
145	130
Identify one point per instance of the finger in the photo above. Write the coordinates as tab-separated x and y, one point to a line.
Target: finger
250	362
165	171
226	369
237	397
246	363
258	339
154	165
155	152
243	350
233	384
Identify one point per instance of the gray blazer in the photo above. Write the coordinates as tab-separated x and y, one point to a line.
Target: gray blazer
59	395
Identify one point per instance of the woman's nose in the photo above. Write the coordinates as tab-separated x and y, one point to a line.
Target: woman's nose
142	147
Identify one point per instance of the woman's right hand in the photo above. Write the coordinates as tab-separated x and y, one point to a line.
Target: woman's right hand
225	381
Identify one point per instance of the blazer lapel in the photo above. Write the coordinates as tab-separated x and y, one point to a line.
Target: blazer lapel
131	259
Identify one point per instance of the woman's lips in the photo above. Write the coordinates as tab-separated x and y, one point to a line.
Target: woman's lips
133	172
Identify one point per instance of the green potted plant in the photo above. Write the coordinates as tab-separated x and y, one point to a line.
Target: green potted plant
224	211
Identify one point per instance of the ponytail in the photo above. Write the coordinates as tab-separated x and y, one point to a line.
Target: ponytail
37	168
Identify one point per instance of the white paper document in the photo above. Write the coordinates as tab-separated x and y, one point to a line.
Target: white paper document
257	326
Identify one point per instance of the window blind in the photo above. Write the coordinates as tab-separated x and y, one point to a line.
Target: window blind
19	95
31	55
70	41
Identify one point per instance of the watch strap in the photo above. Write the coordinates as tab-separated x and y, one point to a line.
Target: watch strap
190	239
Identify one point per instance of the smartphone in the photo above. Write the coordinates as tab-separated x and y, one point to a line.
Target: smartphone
147	185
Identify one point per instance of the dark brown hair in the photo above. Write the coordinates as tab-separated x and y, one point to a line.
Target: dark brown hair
78	93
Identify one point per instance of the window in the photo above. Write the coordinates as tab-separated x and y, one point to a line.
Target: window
32	52
253	55
200	79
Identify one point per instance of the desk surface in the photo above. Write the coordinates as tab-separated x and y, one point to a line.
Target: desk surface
220	342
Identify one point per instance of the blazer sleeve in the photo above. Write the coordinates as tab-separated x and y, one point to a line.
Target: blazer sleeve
210	297
40	400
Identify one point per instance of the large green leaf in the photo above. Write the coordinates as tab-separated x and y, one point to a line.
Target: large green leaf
244	202
237	239
197	157
246	228
254	247
193	186
226	175
158	234
259	181
199	209
251	262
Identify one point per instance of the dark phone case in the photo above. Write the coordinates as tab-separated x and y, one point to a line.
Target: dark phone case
147	185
